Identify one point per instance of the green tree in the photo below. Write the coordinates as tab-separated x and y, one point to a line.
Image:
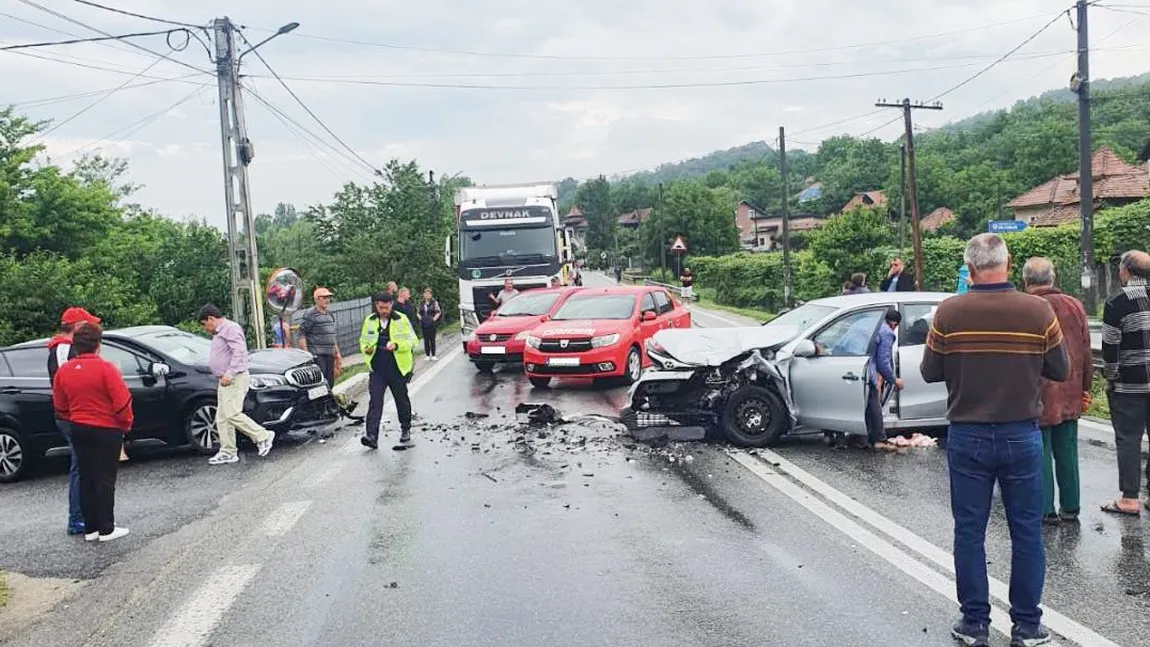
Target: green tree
594	200
858	241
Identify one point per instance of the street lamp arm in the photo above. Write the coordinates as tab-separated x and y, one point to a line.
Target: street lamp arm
291	26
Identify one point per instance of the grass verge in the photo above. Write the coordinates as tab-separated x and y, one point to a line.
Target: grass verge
706	299
1099	405
3	590
348	371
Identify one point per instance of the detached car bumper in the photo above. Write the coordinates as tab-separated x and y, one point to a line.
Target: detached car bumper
599	362
290	408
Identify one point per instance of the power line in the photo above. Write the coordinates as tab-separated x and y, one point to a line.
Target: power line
139	124
92	93
102	69
314	141
656	58
306	108
113	46
88	107
161	57
95	39
137	15
648	86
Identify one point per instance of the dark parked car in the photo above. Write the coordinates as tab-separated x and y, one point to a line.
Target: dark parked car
173	393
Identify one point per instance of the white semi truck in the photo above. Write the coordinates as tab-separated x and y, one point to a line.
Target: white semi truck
505	232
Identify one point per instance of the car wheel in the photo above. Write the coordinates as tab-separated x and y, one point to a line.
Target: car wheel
200	427
633	370
485	367
16	458
540	382
754	417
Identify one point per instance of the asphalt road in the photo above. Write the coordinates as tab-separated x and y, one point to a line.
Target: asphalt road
491	531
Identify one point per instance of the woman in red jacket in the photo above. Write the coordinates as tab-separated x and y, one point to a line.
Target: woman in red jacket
90	393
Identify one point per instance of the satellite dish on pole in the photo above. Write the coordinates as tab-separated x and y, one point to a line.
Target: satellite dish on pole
284	291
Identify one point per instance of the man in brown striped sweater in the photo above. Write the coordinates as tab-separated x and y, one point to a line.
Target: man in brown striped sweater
992	345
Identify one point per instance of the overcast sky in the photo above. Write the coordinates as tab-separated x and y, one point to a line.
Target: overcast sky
562	57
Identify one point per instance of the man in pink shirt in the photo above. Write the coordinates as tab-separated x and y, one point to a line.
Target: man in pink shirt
228	360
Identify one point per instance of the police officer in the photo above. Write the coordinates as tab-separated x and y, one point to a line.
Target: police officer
387	341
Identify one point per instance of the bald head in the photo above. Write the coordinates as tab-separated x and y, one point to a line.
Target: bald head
1134	264
1038	272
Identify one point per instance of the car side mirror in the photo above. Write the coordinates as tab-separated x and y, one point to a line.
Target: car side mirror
543	318
805	348
159	369
649	316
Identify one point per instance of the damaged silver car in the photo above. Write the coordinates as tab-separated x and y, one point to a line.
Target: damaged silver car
802	372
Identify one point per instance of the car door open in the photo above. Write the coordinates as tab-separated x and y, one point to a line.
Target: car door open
828	375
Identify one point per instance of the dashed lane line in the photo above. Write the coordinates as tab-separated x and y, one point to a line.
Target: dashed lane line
279	522
1059	623
196	620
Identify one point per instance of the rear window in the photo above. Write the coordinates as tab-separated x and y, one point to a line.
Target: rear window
529	305
599	306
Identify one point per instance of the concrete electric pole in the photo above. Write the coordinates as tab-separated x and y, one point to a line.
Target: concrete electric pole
243	257
786	218
916	235
1080	84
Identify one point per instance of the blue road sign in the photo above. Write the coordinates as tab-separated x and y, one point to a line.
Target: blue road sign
1005	226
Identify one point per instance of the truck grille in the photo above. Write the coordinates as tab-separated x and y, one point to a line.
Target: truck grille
305	376
565	345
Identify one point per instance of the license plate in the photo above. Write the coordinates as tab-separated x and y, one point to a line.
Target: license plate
563	361
493	350
317	392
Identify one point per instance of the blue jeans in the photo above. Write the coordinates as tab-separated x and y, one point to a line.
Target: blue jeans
75	515
1011	454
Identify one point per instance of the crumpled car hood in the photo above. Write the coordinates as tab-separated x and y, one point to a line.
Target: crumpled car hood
714	346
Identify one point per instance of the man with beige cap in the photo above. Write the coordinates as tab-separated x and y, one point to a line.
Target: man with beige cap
317	335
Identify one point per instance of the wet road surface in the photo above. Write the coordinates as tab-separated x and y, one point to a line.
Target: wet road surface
493	532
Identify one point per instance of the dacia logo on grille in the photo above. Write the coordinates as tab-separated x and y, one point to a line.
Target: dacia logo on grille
493	338
563	343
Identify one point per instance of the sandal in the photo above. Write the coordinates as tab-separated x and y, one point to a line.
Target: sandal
1113	508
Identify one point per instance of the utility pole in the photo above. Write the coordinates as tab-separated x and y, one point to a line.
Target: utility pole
662	238
786	218
902	199
916	236
243	259
1080	84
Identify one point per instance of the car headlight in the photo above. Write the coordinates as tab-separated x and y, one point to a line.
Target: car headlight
469	319
469	337
267	381
523	335
605	340
655	346
534	341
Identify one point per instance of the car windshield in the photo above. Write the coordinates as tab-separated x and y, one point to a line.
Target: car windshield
601	306
529	305
801	317
181	346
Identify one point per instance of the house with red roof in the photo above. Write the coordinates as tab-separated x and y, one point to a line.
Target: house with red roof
1057	201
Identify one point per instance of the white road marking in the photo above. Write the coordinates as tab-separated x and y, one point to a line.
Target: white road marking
321	477
280	522
999	591
197	618
353	445
695	310
898	558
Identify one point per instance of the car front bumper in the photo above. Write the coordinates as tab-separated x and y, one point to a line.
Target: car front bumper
290	408
597	362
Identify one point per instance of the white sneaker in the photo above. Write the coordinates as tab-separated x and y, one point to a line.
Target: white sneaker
223	458
92	536
266	446
434	358
115	534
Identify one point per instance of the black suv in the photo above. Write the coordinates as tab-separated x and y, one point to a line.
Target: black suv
173	393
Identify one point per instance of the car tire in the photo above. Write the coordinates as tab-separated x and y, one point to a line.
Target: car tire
540	382
16	457
633	369
754	417
200	427
485	367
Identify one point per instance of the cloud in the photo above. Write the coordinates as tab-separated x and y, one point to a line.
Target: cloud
561	91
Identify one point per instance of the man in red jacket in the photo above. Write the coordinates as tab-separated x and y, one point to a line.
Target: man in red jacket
60	350
89	392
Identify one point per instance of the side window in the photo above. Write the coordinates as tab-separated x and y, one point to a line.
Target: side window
663	302
128	363
849	336
916	318
648	304
29	362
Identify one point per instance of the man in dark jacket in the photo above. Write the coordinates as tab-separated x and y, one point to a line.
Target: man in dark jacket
1126	353
879	373
992	346
897	279
1062	402
60	350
